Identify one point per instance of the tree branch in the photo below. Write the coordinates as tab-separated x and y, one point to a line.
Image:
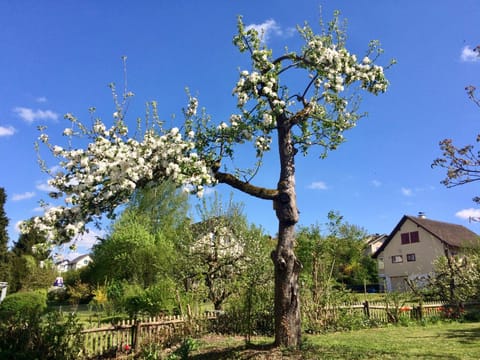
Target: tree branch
259	192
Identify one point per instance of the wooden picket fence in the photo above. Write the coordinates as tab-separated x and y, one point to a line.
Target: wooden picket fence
128	335
383	311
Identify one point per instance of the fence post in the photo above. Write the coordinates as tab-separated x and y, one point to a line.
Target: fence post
420	310
136	335
366	309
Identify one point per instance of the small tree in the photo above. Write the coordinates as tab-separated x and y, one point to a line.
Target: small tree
4	263
333	257
141	246
462	163
456	279
314	111
219	248
28	274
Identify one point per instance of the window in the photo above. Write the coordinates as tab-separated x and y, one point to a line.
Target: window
381	264
411	257
411	237
414	238
397	259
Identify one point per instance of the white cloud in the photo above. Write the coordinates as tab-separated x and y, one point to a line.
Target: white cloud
407	191
45	187
209	191
24	196
41	99
467	214
376	183
30	115
7	131
318	185
17	226
87	240
269	28
470	55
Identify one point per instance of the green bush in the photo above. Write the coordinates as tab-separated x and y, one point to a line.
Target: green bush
152	301
26	333
133	305
57	296
23	305
61	337
30	336
251	313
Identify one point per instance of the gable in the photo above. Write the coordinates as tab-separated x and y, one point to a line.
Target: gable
452	235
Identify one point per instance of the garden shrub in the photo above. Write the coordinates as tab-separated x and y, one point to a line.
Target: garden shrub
159	298
25	333
57	296
61	337
23	305
250	314
152	301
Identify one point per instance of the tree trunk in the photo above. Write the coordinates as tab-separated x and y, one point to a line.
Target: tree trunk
217	304
287	300
287	267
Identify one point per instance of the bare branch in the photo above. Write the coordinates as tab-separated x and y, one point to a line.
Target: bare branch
259	192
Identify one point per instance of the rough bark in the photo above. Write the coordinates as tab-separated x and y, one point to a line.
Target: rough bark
287	300
287	266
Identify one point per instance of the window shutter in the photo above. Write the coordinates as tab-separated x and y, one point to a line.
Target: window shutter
414	238
405	238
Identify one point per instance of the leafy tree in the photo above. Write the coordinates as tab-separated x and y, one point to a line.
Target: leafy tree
140	248
314	110
334	258
338	252
30	266
4	263
31	243
252	303
462	163
130	253
27	273
456	279
219	249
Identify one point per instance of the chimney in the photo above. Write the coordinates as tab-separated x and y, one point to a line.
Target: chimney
422	215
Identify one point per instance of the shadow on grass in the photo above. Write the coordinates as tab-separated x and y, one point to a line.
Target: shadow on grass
243	352
464	335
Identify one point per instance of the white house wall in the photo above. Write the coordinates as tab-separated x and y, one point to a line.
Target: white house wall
426	251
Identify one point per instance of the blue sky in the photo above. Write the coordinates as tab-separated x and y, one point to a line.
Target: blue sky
59	57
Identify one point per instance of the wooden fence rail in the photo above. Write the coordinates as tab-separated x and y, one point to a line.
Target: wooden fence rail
129	335
383	311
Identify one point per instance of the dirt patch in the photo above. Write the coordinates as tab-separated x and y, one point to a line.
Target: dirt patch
214	347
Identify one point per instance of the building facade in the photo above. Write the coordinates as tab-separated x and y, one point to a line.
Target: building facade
410	250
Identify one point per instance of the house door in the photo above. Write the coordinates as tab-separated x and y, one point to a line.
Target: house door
398	283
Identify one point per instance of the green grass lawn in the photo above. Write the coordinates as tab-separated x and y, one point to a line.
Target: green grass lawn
440	341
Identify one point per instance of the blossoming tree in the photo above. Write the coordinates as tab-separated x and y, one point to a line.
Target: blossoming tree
463	162
97	179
